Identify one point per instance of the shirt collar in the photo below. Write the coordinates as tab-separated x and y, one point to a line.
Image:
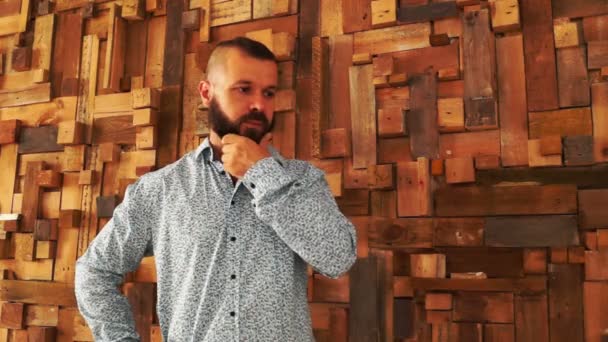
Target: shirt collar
205	150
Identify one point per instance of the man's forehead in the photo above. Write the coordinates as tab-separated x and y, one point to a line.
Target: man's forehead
238	66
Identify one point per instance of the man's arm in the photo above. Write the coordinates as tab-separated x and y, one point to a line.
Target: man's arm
117	249
304	214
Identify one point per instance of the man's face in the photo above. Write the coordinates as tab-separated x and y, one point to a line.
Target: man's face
241	96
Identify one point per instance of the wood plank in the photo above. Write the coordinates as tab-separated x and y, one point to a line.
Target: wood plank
363	118
115	51
531	318
38	140
173	60
414	188
565	8
599	94
16	23
365	300
578	150
536	157
499	332
394	150
494	262
480	201
541	79
37	292
229	12
526	285
319	100
36	93
597	52
400	233
356	16
420	60
458	232
43	42
340	51
469	144
567	34
384	13
480	75
66	51
483	307
591	212
512	100
428	12
170	117
566	302
563	122
392	39
532	231
584	177
155	52
595	28
450	114
595	295
8	163
459	170
573	84
422	116
116	129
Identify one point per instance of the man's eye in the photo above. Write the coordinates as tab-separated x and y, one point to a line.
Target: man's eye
269	94
244	89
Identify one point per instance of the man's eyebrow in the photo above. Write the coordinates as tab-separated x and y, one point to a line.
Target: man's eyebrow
246	82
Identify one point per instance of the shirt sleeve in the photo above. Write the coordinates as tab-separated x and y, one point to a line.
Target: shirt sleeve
303	212
116	250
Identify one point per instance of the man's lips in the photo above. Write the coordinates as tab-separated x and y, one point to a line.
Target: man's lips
254	123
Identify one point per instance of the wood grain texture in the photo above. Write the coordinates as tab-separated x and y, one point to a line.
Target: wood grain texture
599	107
569	9
532	231
421	119
531	318
572	81
362	116
566	302
563	122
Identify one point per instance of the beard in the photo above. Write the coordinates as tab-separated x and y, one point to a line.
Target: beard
222	125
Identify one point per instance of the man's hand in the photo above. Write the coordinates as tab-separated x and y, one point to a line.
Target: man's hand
239	153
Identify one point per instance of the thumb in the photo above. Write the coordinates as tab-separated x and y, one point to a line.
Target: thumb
266	140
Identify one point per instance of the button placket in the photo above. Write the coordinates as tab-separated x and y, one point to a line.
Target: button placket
232	229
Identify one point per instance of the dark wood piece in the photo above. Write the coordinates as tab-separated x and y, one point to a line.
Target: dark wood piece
578	150
421	120
46	230
22	58
532	231
431	11
106	205
114	129
9	131
566	303
365	300
39	140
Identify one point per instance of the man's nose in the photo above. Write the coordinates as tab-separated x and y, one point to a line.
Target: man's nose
258	103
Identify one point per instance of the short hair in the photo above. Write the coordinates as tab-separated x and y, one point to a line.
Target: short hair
246	45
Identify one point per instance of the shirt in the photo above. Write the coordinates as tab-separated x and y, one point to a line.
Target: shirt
231	258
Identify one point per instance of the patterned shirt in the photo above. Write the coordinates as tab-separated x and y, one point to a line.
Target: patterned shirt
231	259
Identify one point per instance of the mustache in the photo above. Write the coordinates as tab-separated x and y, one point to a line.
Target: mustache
254	115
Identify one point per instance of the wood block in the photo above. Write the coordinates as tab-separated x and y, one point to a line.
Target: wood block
550	145
285	100
437	167
448	74
479	77
506	200
576	255
115	51
133	9
541	80
394	150
72	159
146	138
459	170
283	46
563	122
590	240
563	8
205	20
531	318
537	159
427	265
492	262
505	15
573	84
559	255
115	129
595	28
362	116
366	302
458	232
12	315
451	114
483	307
145	98
109	152
599	94
595	296
487	162
46	249
48	179
384	13
380	177
512	99
335	143
330	290
535	261
39	140
578	150
362	58
438	301
41	334
281	7
431	11
567	34
437	317
402	232
41	315
106	205
86	177
597	54
414	188
532	231
9	222
391	122
397	80
145	117
356	16
596	265
465	332
69	218
499	332
21	59
439	39
469	144
383	40
421	120
70	133
137	82
380	82
566	302
9	131
31	196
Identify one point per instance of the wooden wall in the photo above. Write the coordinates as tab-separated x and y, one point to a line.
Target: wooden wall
466	139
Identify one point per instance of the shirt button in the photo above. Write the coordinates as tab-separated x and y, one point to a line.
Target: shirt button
297	184
252	186
233	239
223	172
232	313
231	202
233	276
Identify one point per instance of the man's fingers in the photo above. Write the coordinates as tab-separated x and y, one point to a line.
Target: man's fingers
230	139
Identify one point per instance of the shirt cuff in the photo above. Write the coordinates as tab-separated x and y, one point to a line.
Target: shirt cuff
266	175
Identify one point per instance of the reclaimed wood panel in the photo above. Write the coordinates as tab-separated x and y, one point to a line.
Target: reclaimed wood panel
532	231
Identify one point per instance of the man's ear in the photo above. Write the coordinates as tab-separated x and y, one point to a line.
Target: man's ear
206	92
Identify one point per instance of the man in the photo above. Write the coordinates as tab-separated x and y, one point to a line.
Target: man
232	225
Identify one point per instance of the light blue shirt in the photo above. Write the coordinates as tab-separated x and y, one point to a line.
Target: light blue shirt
230	258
